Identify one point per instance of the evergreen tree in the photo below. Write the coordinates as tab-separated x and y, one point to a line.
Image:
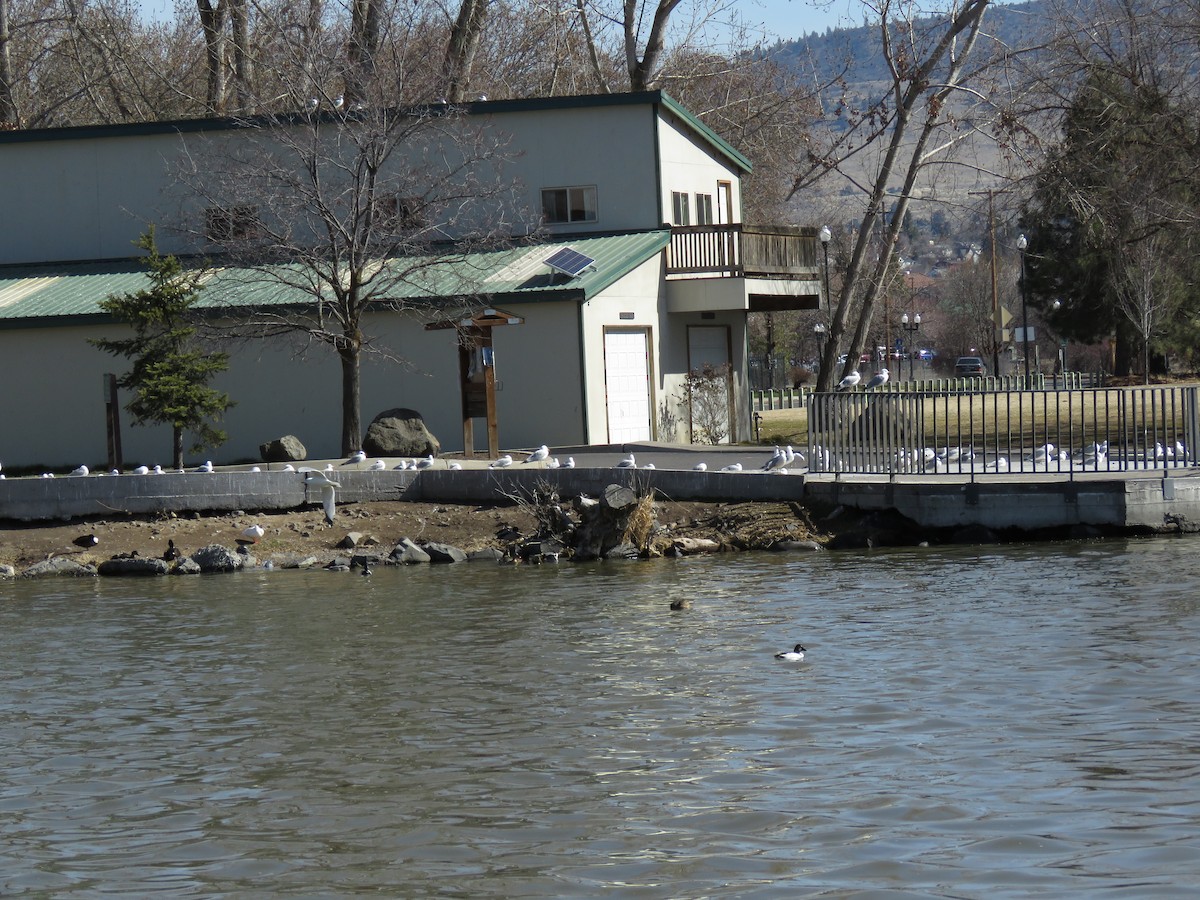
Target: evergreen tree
171	372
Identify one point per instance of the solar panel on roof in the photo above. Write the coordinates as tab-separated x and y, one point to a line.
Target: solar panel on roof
569	262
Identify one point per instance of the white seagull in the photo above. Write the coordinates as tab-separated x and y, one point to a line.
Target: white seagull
538	455
570	463
328	498
503	462
732	467
359	457
700	467
794	655
424	463
778	461
142	470
82	470
206	467
879	379
849	381
253	533
378	465
455	466
552	463
627	463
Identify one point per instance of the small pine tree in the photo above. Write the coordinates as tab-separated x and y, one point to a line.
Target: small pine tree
170	373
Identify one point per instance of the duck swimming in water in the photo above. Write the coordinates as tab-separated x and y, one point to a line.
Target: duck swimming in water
794	655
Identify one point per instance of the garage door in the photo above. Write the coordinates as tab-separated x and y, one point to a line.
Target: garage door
627	385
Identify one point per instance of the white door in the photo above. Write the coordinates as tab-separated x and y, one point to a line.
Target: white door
627	384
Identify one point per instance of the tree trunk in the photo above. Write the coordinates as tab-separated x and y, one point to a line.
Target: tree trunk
177	447
361	50
242	57
351	414
643	72
8	105
212	21
460	51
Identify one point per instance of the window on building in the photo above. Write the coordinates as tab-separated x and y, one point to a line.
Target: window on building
232	223
569	204
680	213
704	209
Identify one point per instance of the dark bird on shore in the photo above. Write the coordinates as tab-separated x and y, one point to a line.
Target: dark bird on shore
366	572
86	540
172	552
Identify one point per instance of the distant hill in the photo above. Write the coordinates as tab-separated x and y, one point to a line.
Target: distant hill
856	51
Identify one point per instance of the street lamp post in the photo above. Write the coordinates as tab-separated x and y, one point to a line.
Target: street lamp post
819	336
911	328
1022	243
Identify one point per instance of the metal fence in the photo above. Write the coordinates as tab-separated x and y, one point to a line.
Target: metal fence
996	432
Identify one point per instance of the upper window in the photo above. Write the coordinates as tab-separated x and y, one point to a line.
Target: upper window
569	204
233	223
680	212
704	209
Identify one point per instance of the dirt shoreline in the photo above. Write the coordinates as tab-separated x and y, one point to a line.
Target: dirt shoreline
304	532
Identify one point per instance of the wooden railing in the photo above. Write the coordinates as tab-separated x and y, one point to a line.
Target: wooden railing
743	251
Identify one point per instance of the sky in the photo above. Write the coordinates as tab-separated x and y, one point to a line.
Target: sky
784	19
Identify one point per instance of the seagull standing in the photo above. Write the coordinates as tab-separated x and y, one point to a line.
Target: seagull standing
328	497
359	457
879	379
849	381
778	461
502	463
424	462
539	454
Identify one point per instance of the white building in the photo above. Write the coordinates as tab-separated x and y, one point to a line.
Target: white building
633	182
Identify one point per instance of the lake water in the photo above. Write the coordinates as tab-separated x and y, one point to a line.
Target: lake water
996	722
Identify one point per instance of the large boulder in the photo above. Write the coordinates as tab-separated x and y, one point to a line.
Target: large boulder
215	558
400	432
285	449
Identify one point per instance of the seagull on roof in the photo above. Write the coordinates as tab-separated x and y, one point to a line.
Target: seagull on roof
849	381
879	379
539	454
502	462
627	463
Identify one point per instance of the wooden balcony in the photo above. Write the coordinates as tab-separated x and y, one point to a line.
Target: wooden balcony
744	251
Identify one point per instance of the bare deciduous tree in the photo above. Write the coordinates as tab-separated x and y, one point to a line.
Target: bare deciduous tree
344	212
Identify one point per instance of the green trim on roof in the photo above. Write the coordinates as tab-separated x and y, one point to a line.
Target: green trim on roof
70	294
726	149
478	107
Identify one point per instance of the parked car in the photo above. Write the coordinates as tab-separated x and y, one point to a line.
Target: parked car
970	367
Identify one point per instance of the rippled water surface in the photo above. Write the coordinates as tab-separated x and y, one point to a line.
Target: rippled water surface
1005	722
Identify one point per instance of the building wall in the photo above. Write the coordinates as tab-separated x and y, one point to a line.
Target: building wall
689	167
91	197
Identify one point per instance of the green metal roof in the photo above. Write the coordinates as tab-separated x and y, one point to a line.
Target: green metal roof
70	294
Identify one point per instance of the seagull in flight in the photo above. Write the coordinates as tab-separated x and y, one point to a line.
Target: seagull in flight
849	381
328	497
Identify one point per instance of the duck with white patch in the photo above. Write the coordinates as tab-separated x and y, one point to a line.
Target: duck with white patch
794	655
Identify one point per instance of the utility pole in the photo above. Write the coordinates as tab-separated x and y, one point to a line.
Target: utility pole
997	325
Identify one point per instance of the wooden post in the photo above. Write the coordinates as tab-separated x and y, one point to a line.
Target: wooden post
112	420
